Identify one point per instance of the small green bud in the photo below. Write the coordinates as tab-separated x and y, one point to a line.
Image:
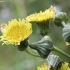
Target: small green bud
66	33
59	18
43	47
53	62
23	45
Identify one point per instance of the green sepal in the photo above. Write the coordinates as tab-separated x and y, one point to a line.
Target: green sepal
43	47
43	28
23	45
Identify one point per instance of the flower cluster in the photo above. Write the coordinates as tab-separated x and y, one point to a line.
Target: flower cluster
16	32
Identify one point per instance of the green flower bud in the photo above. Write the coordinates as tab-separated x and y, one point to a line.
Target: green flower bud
53	62
43	47
59	18
66	33
23	45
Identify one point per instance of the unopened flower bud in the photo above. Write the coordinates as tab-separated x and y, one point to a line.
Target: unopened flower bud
43	47
59	18
66	33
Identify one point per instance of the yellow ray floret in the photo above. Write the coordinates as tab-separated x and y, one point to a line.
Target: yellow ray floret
43	67
42	16
16	31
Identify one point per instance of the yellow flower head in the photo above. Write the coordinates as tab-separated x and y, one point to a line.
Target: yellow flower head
42	16
64	66
43	67
16	31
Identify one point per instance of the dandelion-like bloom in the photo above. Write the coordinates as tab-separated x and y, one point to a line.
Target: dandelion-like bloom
64	66
42	20
43	67
42	16
16	31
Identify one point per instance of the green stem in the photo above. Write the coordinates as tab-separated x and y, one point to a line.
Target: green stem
31	53
60	51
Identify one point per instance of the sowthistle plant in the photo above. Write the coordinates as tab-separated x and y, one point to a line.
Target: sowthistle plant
17	32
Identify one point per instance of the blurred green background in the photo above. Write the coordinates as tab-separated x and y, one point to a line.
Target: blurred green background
13	59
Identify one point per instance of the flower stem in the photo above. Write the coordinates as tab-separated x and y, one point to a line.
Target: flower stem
31	53
60	51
